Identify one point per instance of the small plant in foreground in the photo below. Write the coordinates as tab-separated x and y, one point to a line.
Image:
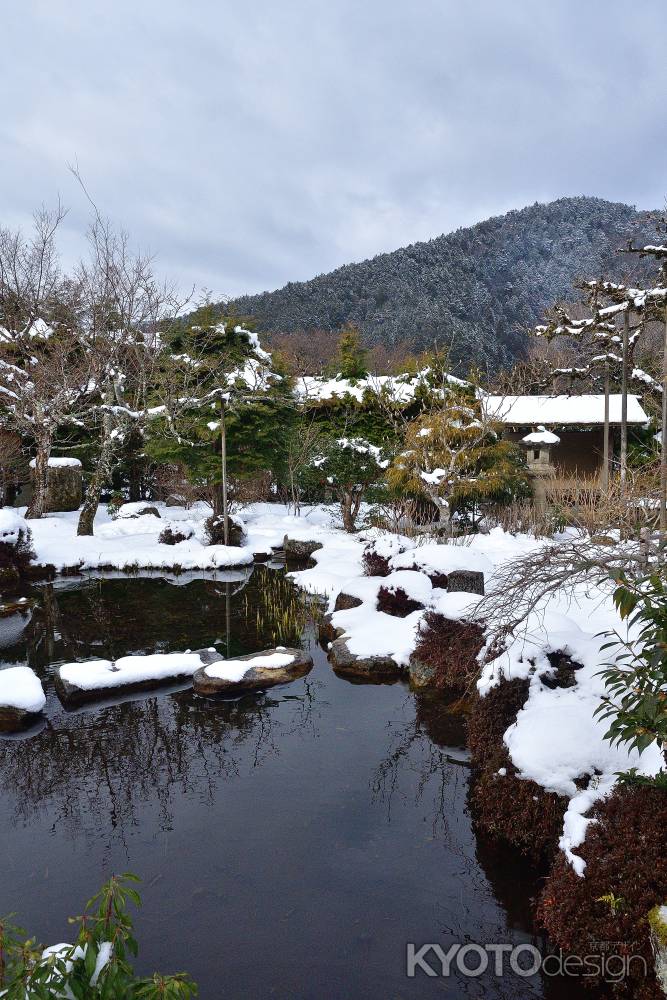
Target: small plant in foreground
96	965
634	779
636	703
615	903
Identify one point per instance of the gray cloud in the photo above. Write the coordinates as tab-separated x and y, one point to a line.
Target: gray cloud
252	144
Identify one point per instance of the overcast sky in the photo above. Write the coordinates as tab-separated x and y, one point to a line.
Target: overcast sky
252	143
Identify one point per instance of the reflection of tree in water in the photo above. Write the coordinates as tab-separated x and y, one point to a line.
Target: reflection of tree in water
111	617
94	772
428	748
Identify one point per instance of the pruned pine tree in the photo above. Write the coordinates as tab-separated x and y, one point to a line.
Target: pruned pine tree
348	468
217	403
596	338
454	456
610	335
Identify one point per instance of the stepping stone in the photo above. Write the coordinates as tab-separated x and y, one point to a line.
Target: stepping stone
253	672
345	662
93	680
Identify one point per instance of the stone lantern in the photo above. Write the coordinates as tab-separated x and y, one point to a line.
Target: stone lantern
538	446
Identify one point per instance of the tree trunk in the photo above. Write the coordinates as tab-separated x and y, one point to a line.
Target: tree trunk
346	510
223	459
36	505
99	477
605	443
624	403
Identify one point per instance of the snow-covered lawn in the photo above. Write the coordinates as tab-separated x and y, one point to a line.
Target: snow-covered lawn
132	542
555	739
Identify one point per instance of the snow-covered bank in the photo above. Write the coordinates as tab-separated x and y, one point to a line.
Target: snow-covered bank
130	543
556	741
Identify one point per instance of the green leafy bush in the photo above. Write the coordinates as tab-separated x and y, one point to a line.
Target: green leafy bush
95	966
636	682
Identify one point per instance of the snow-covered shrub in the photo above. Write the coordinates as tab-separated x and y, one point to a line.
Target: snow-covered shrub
116	501
347	468
172	535
16	551
374	563
394	601
450	647
215	530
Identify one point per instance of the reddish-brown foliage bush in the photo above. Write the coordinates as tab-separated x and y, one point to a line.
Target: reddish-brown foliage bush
437	579
507	806
375	564
626	856
450	647
394	601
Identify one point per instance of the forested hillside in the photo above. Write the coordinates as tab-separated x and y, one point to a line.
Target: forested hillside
476	290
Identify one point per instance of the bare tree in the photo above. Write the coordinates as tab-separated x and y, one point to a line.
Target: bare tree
45	371
124	306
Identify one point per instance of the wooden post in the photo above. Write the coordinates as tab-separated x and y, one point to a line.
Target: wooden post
624	401
663	447
605	443
223	458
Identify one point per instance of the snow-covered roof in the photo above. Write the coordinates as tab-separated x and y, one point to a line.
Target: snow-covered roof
527	411
541	436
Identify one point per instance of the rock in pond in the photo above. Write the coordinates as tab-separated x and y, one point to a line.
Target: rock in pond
422	675
327	631
21	698
252	672
297	550
345	662
92	680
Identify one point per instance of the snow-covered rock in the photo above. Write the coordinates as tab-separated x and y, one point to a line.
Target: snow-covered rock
21	696
92	679
11	526
252	672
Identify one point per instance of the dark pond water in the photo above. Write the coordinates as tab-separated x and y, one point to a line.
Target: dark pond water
290	844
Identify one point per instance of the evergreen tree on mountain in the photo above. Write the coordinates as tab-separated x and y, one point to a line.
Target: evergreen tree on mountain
351	361
477	291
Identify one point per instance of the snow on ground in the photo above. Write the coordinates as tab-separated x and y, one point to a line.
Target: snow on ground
58	463
132	541
21	688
